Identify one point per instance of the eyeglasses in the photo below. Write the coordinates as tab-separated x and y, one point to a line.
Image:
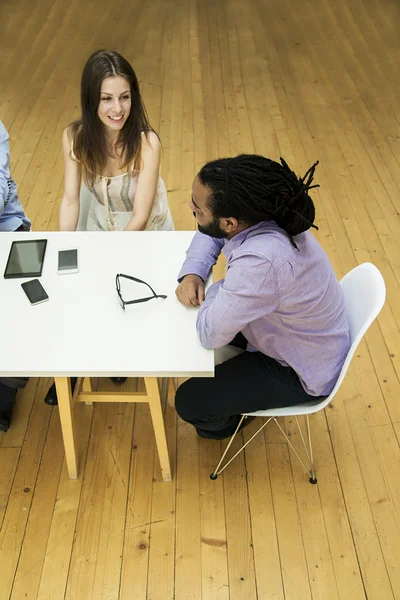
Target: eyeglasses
122	301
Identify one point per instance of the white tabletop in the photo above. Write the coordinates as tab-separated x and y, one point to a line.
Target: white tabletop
82	329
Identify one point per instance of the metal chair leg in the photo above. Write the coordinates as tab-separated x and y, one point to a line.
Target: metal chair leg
310	471
313	479
217	472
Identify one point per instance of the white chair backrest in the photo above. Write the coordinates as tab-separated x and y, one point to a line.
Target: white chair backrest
364	296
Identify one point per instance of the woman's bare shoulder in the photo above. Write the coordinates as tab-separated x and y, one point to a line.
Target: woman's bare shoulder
151	140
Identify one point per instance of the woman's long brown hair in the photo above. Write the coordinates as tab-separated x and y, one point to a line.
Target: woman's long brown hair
88	134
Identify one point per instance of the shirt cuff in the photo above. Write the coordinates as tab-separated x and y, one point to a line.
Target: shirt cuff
194	267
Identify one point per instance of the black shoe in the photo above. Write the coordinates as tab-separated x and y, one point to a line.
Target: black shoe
210	435
118	379
51	396
7	397
4	421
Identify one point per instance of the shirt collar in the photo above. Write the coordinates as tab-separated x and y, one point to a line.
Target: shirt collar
237	240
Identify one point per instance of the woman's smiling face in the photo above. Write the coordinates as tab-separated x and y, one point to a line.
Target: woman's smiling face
115	102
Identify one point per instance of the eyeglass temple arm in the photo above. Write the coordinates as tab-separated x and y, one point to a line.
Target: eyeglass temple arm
138	281
139	300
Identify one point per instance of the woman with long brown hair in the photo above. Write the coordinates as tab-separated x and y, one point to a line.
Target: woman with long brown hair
111	159
112	155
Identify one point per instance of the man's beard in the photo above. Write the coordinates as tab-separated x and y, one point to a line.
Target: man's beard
213	229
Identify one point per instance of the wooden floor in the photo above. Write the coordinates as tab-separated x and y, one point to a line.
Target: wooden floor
307	80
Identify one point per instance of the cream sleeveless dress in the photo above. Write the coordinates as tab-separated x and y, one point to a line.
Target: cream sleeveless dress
108	204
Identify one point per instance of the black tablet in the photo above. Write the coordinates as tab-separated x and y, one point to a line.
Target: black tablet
25	259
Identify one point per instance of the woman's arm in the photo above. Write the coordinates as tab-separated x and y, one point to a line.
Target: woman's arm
69	209
147	182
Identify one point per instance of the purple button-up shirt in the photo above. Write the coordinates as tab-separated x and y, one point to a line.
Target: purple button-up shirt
286	302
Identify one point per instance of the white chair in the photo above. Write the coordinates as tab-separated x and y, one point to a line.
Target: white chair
364	295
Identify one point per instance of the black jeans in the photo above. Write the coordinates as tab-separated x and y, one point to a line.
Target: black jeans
248	382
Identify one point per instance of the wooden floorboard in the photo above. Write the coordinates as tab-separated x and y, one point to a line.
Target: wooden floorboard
315	81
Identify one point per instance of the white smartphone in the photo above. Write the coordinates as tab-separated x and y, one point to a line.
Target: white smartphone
35	291
68	261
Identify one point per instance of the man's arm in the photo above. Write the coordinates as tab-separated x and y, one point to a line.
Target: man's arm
4	167
249	292
201	256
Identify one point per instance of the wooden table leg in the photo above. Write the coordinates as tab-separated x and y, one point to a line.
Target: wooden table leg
172	387
87	387
153	394
64	395
164	391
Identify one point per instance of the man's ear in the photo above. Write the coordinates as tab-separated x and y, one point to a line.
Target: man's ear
230	224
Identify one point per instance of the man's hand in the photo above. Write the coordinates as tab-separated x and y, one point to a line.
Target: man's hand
190	291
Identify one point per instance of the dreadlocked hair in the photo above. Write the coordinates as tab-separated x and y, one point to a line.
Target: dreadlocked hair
253	189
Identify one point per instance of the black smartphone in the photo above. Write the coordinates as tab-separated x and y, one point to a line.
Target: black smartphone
35	291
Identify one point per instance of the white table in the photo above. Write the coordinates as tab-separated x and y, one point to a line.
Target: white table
83	331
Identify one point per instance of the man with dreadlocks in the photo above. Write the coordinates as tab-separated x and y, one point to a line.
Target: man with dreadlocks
280	300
